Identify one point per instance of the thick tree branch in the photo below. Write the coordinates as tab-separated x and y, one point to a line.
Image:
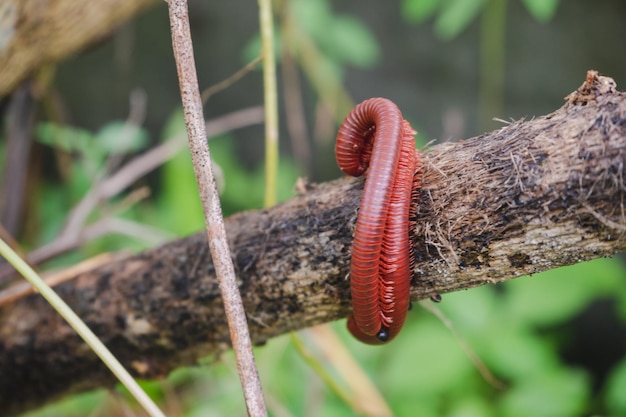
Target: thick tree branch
529	197
38	32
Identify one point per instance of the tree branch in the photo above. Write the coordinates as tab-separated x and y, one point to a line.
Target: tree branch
38	32
531	196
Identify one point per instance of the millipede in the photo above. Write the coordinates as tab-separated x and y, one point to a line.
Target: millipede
374	140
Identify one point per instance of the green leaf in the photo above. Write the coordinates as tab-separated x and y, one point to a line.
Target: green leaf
417	11
252	49
312	16
514	351
179	197
455	16
119	138
351	42
435	356
556	295
174	125
342	38
75	141
179	204
471	311
75	405
542	10
54	203
243	188
615	389
554	394
66	138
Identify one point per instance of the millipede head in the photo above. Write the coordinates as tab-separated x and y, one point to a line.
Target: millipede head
383	334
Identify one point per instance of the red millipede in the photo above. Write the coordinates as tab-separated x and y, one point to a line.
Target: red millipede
375	138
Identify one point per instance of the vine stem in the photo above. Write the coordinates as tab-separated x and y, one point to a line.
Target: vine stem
492	61
81	328
218	245
271	101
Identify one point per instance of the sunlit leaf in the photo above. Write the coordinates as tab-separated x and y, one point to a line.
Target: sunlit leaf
455	16
418	11
350	41
542	10
314	17
343	39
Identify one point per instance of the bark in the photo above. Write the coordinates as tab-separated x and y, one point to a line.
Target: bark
38	32
529	197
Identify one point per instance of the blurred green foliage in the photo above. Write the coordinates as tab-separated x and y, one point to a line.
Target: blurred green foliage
241	188
615	389
343	39
93	149
542	10
90	156
453	16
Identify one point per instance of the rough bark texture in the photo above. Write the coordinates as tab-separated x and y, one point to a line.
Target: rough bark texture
531	196
38	32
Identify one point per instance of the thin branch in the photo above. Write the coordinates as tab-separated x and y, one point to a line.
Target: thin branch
158	155
224	84
196	132
104	226
294	113
24	288
365	397
329	380
73	235
473	357
66	242
82	330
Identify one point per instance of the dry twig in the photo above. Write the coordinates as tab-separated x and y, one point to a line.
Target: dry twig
224	269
